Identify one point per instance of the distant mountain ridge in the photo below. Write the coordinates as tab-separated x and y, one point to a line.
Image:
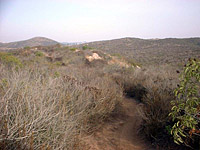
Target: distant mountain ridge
36	41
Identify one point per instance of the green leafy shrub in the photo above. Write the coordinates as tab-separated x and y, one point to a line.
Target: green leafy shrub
72	49
86	47
186	108
27	47
39	54
9	59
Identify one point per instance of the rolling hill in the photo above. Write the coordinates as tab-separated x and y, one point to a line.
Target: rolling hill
37	41
151	51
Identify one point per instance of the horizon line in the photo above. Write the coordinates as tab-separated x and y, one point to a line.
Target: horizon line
191	37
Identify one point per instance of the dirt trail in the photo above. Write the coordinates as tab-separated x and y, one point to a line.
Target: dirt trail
121	133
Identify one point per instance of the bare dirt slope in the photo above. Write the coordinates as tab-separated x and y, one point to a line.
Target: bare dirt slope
121	133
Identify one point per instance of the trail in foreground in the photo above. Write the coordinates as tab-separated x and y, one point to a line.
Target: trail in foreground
121	133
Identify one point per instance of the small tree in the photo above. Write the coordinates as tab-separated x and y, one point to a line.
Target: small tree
185	110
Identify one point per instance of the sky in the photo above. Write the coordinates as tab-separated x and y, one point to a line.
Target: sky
93	20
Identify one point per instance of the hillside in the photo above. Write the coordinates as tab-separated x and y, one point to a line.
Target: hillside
37	41
98	100
151	51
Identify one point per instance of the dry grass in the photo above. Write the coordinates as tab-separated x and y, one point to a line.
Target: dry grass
39	110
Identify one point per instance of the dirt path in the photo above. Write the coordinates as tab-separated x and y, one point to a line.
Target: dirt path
121	133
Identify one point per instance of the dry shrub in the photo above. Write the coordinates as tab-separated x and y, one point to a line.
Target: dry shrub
159	85
131	79
155	113
41	111
152	86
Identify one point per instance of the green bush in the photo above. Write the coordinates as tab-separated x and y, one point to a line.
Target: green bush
72	49
86	47
27	47
9	59
186	108
39	54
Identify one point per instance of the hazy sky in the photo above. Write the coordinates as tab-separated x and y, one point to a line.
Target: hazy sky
90	20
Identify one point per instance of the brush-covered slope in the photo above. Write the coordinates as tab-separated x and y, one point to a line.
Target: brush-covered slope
151	51
37	41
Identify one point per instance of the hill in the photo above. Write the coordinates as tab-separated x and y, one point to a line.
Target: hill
151	51
37	41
